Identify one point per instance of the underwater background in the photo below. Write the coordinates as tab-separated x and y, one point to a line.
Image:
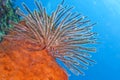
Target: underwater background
106	13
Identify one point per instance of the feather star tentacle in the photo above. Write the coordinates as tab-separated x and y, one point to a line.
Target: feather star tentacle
64	34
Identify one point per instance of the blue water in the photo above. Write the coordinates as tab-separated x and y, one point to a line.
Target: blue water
106	13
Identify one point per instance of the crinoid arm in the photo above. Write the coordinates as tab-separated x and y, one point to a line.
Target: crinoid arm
64	34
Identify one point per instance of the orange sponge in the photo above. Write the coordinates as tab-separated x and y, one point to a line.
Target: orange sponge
20	63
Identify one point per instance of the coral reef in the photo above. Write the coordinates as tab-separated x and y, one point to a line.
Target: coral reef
7	13
32	46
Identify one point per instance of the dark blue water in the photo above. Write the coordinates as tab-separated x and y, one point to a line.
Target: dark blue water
107	15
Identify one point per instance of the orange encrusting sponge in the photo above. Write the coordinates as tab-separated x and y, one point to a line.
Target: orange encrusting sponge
19	63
